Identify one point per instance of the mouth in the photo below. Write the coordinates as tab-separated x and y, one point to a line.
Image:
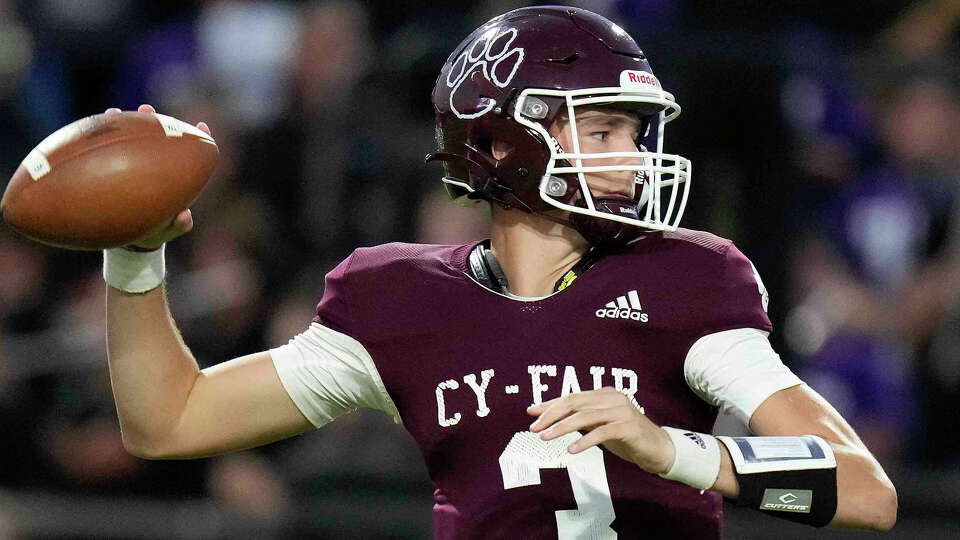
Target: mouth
617	191
615	198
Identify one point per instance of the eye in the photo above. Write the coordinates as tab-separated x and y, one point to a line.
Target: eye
600	135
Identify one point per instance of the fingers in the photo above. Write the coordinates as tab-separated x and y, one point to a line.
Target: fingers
602	434
554	410
605	417
183	223
147	108
179	225
537	410
583	420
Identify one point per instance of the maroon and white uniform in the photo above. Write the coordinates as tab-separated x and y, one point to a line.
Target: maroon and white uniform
674	323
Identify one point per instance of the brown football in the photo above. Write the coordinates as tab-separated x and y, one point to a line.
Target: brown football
108	180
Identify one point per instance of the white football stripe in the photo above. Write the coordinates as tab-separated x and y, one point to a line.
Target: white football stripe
611	305
622	302
634	300
176	128
36	164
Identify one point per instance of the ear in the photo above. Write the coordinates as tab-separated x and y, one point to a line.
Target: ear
500	149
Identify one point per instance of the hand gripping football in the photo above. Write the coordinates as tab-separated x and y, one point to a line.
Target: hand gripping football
108	180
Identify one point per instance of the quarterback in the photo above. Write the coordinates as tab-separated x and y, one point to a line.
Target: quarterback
561	378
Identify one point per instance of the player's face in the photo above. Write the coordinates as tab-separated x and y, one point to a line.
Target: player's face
604	130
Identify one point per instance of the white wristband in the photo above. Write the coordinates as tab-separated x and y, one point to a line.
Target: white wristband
133	271
696	459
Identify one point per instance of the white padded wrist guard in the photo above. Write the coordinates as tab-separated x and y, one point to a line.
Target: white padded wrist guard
696	459
133	271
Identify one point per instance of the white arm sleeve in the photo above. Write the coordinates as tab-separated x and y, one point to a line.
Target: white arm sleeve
736	370
328	374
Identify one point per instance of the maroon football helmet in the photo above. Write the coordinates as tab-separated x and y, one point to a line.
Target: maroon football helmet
512	78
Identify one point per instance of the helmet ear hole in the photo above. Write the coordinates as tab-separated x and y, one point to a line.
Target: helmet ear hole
500	149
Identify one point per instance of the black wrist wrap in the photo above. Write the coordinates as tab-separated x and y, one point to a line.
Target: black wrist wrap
806	496
792	478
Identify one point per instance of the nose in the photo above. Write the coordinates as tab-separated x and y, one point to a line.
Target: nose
617	183
622	182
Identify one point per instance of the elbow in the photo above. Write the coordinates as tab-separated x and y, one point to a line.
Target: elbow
156	448
143	447
878	510
139	449
872	507
887	509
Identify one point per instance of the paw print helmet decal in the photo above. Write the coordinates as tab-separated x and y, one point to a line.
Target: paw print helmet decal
491	60
512	78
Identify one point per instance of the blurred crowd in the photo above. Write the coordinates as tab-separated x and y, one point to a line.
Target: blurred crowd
826	139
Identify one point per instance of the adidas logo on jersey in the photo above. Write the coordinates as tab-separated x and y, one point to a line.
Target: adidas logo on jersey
624	307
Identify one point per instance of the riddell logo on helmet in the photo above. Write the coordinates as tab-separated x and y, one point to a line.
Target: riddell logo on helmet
629	77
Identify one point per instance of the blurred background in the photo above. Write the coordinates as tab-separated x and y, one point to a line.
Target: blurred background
826	142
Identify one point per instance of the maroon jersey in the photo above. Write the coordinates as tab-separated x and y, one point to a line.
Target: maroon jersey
462	363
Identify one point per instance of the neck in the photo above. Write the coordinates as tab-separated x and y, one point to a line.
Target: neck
534	252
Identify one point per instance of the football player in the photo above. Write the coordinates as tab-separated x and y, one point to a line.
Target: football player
560	378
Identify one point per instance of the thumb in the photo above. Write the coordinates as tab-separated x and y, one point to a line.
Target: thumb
183	223
177	227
